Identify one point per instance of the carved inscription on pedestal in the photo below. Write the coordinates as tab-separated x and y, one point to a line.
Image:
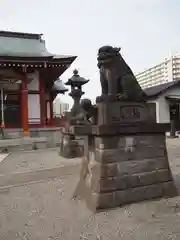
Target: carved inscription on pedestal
121	112
130	112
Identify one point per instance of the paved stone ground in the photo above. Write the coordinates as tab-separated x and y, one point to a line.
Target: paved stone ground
45	211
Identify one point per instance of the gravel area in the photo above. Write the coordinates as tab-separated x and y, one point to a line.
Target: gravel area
35	160
45	210
50	158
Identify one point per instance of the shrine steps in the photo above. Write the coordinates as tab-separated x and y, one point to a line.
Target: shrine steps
52	135
22	144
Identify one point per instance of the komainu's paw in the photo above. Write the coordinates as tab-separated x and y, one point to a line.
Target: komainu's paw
122	96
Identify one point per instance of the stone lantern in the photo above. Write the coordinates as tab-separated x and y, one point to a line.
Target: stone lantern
70	147
76	82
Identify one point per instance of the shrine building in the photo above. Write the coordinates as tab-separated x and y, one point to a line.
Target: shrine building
27	75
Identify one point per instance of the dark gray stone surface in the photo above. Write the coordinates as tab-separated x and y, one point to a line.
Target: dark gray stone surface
129	153
126	156
136	169
113	142
122	182
69	147
130	147
116	77
128	129
124	112
118	198
125	151
128	167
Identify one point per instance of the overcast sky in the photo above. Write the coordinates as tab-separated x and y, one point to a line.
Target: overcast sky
146	30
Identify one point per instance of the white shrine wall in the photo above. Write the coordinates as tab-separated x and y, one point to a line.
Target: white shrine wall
34	113
33	81
163	105
48	110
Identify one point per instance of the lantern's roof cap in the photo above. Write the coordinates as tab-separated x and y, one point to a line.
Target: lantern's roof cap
76	80
59	87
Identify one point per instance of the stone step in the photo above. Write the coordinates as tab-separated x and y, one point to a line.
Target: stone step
23	144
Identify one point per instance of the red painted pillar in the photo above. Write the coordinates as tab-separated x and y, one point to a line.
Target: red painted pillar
45	112
42	101
24	104
51	110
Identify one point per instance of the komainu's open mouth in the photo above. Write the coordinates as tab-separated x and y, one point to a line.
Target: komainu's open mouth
104	58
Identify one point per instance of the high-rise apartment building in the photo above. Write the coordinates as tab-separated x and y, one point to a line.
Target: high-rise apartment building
64	107
59	107
166	71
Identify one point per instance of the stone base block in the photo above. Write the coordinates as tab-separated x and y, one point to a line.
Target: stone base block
119	112
127	169
99	201
69	147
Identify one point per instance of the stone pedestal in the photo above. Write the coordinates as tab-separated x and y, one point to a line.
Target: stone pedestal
69	147
127	169
128	160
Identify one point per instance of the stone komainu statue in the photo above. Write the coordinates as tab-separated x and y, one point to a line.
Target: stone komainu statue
116	77
85	114
89	110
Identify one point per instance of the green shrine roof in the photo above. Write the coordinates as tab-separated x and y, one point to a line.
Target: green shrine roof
15	44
